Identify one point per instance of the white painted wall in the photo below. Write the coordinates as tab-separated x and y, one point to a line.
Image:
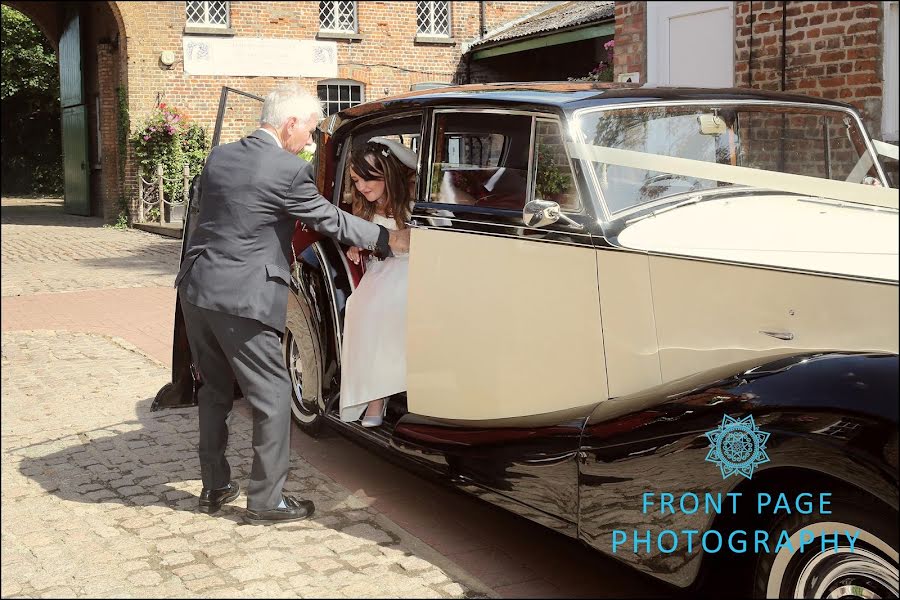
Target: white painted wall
690	43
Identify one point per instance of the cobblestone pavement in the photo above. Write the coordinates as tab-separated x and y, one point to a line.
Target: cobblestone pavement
40	253
99	496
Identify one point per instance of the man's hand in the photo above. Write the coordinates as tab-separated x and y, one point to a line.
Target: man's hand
399	241
353	255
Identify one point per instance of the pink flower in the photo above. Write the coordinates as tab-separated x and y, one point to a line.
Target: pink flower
609	45
152	128
146	138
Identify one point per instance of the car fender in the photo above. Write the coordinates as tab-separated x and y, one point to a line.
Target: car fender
832	414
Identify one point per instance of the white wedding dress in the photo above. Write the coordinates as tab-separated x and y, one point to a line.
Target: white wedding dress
373	351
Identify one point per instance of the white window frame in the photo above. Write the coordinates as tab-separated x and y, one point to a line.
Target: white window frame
205	22
334	8
889	49
341	82
431	6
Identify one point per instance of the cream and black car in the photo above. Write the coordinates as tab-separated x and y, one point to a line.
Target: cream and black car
618	294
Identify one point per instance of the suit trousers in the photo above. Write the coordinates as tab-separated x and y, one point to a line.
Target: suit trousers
225	347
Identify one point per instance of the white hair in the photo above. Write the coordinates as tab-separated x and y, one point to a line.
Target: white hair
289	101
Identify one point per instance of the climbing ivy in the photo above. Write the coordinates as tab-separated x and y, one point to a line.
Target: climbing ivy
123	126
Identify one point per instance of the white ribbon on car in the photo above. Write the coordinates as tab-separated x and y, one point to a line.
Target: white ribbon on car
757	178
885	149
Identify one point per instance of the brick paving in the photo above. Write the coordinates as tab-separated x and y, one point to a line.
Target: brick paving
99	495
47	251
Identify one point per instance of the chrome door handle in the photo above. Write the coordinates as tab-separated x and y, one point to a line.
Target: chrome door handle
780	335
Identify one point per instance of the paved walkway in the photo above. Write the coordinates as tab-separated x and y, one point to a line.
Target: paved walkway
99	495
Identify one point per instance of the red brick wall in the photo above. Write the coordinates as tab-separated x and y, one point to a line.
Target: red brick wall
833	51
387	60
631	40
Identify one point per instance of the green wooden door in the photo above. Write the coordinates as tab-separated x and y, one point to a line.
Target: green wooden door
74	119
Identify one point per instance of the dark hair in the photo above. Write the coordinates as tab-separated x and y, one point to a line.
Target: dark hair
395	174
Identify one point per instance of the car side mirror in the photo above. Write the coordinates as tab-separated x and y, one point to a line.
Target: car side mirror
539	213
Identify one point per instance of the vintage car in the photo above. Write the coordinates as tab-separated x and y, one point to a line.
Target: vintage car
603	282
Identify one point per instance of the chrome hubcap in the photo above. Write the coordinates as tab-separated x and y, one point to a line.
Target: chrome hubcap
841	573
303	408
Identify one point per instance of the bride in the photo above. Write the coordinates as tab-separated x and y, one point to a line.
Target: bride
373	353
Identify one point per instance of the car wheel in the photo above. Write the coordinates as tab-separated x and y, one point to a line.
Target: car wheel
304	365
869	571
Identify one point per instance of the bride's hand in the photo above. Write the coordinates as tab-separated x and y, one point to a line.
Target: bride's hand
353	255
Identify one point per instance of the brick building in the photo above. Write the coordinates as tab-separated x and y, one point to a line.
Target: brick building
844	51
131	56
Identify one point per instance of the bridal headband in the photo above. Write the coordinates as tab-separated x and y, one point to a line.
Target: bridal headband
403	154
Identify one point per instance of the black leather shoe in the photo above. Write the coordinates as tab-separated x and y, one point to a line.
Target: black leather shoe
212	500
295	510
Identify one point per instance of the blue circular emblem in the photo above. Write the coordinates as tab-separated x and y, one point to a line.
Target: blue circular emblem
737	446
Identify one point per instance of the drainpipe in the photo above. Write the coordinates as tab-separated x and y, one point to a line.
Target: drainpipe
783	77
783	45
481	29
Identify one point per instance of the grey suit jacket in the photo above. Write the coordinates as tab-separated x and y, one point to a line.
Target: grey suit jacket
251	194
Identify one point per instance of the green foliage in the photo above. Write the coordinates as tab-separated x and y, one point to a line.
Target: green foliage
29	96
121	222
604	69
169	138
551	180
29	66
306	155
123	126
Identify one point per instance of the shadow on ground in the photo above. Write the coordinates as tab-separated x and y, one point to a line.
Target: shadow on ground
152	461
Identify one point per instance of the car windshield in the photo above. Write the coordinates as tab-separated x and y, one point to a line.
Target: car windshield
823	143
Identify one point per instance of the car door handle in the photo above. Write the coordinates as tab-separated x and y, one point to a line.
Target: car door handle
780	335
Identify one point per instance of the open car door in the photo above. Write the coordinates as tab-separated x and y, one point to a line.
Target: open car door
238	116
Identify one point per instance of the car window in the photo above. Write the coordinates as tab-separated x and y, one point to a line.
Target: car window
406	130
802	141
481	159
553	178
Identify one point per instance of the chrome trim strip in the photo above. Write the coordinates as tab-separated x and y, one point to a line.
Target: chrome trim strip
489	224
582	205
779	335
531	176
332	293
578	113
586	244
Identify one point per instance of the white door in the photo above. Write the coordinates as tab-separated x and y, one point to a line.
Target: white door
690	43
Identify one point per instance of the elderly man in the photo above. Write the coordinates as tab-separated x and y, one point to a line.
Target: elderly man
233	287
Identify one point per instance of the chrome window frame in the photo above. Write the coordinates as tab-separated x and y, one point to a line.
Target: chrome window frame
562	132
529	183
347	143
578	133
